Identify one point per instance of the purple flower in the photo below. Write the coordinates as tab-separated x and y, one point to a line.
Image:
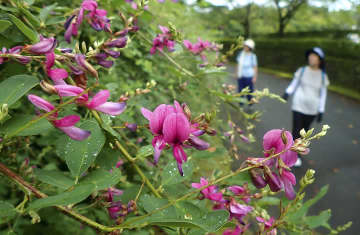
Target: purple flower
15	51
162	40
96	18
65	124
267	224
238	211
210	192
288	180
57	75
98	102
237	231
45	45
118	43
176	130
273	142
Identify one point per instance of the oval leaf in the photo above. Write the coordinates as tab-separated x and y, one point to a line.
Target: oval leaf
15	87
30	34
78	194
4	24
79	155
19	121
55	178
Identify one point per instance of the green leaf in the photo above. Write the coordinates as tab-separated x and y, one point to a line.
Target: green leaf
268	201
55	178
103	179
15	87
145	151
319	220
4	24
298	215
171	175
7	211
188	216
79	193
32	19
29	33
79	155
18	121
44	12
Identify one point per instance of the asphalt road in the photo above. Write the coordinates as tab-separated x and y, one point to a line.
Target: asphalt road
335	157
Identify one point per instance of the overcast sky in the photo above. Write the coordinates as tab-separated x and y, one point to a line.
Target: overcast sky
339	4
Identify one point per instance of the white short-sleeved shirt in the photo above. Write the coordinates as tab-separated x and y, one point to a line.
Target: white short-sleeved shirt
246	68
309	91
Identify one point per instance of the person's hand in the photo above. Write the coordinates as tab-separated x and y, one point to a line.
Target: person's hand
254	79
319	117
285	96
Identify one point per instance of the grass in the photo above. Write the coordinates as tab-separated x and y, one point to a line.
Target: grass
350	93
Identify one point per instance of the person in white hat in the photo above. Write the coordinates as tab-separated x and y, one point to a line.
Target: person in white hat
309	89
246	69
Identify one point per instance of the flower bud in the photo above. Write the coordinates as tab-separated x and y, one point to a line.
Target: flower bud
257	179
3	111
47	87
186	110
81	61
44	46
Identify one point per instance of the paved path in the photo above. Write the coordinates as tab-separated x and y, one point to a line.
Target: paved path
335	157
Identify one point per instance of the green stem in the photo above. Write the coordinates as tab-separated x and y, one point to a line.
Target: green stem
137	168
130	159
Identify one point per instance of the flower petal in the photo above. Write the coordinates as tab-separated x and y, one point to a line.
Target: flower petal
198	143
99	99
176	128
41	103
68	90
67	121
146	113
75	133
57	74
112	108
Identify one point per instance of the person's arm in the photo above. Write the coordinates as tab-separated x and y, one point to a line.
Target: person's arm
293	85
255	74
323	94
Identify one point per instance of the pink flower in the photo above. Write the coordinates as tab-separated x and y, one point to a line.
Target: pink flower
288	180
98	102
156	122
268	224
57	75
210	192
65	124
237	231
176	130
272	141
15	51
96	18
170	125
238	211
162	40
45	45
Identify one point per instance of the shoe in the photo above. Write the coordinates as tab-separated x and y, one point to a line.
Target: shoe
298	162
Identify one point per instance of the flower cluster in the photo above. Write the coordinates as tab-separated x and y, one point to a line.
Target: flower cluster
237	210
15	51
267	224
96	18
162	40
172	125
200	47
276	172
117	209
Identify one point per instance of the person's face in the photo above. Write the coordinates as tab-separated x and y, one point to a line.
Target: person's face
247	49
314	60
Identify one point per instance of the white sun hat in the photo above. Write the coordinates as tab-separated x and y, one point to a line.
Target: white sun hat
250	43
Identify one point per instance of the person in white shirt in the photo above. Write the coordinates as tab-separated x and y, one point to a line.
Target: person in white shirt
309	89
246	69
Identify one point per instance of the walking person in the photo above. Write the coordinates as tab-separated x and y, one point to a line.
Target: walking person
309	90
246	69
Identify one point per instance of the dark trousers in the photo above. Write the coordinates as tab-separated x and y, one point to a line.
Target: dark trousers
301	121
246	82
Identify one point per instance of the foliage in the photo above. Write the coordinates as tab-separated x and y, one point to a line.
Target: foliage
83	164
